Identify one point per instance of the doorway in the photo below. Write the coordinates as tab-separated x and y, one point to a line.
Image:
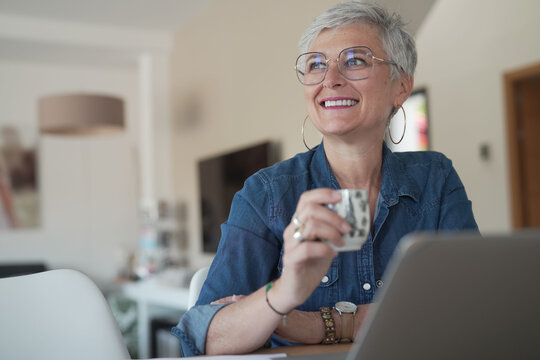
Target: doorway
522	89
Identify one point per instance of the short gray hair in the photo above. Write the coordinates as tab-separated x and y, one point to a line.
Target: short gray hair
396	41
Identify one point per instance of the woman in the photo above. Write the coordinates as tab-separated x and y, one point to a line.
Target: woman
357	72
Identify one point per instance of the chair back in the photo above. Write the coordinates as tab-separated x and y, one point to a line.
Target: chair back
57	314
196	284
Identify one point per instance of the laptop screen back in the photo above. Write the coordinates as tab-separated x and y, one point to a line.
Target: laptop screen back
457	297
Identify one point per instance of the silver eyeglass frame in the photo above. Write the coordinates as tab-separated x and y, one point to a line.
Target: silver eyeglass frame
327	60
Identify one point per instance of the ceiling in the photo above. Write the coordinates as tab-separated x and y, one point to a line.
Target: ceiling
163	15
166	15
145	15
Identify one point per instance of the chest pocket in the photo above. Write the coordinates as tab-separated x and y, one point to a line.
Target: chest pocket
327	293
332	275
328	280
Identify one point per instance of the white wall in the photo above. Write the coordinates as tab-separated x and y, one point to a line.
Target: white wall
90	187
87	185
464	49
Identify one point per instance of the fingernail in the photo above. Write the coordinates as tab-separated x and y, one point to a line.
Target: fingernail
345	227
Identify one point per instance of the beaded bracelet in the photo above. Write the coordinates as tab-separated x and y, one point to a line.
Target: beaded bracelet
329	328
283	316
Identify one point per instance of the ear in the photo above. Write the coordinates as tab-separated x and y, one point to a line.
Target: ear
405	86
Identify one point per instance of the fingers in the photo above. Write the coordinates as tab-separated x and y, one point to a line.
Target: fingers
304	265
307	255
227	299
314	221
314	230
310	250
321	196
311	207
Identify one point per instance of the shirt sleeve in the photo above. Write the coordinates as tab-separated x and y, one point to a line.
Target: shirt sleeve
247	242
192	328
456	211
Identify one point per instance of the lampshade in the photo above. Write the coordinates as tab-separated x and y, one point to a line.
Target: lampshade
80	114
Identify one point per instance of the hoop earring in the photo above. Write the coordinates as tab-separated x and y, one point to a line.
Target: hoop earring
404	127
303	137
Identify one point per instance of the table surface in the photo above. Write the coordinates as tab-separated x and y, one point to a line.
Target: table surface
296	350
306	349
156	293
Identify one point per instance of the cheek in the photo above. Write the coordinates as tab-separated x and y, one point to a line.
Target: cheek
379	96
310	93
307	94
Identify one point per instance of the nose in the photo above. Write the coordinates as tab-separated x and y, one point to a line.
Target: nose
333	76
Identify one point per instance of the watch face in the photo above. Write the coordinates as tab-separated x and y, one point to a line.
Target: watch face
346	307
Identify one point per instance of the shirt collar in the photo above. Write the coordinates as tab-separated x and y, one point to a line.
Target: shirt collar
396	181
323	176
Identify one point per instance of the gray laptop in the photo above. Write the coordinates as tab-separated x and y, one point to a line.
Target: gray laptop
455	297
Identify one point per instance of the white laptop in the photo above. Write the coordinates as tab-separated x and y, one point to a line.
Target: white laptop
455	297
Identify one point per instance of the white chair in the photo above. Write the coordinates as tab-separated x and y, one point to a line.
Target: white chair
196	284
58	314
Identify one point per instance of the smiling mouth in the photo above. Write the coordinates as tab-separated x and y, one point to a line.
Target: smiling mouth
339	103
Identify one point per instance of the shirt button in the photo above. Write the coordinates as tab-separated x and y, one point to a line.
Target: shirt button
366	286
379	283
325	279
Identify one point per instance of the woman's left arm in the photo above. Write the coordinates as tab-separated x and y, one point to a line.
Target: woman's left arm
302	326
306	327
456	209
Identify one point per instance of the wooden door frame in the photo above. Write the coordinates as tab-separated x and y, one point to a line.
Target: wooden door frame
511	80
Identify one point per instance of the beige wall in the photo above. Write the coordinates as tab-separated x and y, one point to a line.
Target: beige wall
221	100
464	49
234	85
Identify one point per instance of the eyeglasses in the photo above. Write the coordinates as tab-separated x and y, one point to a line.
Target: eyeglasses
354	63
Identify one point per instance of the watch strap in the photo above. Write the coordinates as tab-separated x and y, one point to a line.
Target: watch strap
347	327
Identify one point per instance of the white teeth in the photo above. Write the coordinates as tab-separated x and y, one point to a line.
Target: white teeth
347	102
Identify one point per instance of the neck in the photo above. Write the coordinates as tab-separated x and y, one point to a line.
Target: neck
355	166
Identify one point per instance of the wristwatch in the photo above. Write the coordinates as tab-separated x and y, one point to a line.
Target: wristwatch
346	311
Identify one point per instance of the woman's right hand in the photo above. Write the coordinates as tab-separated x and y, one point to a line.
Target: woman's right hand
305	262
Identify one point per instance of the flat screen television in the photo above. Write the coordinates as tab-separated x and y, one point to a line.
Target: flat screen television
220	177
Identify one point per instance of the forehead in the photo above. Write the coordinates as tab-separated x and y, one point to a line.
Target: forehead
332	41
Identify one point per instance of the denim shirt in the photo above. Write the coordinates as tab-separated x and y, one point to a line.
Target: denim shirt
420	191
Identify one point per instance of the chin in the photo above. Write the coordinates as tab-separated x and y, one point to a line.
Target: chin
339	126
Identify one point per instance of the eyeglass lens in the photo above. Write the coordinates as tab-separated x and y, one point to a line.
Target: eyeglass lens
354	64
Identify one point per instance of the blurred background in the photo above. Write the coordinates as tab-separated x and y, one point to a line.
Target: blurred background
203	80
